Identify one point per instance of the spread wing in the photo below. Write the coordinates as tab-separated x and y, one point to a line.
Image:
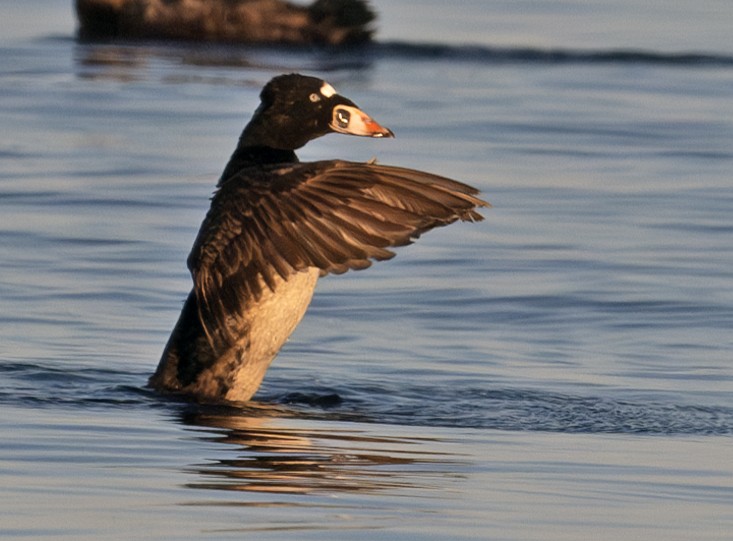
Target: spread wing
332	215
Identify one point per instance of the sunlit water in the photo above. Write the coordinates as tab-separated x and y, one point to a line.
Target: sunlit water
562	370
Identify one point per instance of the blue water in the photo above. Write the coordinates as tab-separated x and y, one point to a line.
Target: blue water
562	370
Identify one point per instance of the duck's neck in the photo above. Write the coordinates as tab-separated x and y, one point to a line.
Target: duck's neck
248	156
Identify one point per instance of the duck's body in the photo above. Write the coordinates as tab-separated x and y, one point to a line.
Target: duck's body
276	225
234	372
325	22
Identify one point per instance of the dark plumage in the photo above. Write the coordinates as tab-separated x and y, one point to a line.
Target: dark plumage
275	225
325	22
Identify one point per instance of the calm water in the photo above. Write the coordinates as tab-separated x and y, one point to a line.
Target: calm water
561	371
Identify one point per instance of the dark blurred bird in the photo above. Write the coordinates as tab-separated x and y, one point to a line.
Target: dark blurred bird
275	225
324	22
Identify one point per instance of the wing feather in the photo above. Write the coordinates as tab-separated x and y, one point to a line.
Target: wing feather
266	224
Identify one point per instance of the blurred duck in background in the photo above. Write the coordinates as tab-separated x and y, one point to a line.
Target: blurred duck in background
324	22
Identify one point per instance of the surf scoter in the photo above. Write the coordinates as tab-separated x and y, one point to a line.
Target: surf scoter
275	225
324	22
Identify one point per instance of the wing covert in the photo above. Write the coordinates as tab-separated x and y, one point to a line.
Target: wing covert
332	215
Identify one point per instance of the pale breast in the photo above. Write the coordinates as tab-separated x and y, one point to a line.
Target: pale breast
270	321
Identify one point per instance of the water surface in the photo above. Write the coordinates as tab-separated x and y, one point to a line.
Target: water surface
559	371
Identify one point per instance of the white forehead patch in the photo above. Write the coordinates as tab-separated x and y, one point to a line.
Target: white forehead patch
327	90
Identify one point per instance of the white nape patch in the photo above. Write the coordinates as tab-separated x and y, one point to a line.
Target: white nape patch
327	90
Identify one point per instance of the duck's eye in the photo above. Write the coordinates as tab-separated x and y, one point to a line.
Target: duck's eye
314	97
342	118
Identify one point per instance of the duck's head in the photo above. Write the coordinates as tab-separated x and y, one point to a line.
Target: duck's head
296	108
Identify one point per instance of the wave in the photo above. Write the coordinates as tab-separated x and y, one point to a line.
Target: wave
513	410
130	55
40	385
534	55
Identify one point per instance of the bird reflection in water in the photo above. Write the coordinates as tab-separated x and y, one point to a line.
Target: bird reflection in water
278	455
184	63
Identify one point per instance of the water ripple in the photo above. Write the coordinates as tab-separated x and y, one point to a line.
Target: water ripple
511	409
521	410
127	61
534	55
